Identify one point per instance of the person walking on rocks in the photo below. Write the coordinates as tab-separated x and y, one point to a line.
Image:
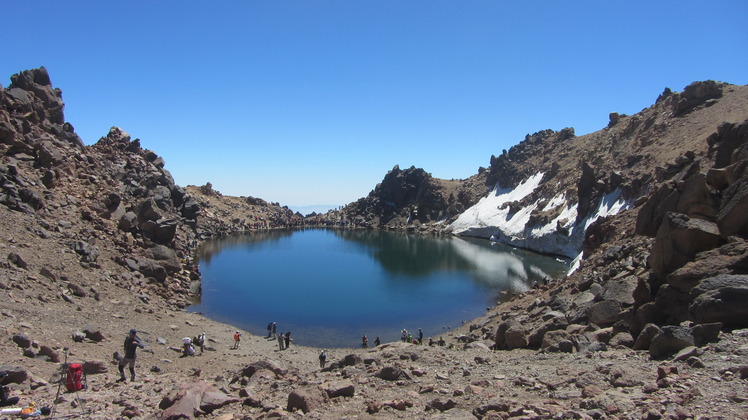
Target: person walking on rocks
364	341
132	342
237	339
377	342
288	338
420	336
322	359
270	330
280	341
275	326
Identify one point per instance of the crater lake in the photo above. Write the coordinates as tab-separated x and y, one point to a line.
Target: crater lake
330	287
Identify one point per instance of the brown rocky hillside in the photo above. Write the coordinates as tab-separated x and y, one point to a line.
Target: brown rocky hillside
99	239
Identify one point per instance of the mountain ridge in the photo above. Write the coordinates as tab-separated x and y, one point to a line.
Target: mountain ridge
100	239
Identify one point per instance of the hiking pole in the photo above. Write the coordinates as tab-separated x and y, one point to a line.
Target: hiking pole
63	377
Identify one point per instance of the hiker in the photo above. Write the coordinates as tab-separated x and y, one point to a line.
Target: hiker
270	330
364	341
237	339
322	359
420	336
200	341
132	342
404	335
187	348
288	338
377	342
5	398
280	341
274	327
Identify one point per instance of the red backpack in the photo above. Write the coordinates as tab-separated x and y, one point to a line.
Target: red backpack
75	377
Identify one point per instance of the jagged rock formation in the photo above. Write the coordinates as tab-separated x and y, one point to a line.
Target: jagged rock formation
113	200
98	239
407	199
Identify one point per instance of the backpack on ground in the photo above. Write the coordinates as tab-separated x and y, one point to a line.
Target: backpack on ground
75	380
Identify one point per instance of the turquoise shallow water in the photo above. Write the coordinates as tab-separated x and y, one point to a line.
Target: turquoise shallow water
329	287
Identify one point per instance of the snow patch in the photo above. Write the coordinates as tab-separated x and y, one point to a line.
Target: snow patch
490	218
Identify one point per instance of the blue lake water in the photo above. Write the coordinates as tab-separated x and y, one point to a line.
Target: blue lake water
329	287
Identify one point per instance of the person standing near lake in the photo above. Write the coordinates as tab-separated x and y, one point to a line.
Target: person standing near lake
322	359
280	341
420	336
274	327
364	341
270	330
288	338
237	339
377	342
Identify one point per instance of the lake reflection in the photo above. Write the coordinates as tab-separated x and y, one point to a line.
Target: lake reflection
328	287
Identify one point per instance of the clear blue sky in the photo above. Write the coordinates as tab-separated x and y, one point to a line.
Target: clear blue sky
312	102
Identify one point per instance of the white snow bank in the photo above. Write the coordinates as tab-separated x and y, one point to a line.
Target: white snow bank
561	236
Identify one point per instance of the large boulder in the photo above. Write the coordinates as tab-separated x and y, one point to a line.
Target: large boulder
304	400
194	399
726	305
669	340
678	240
730	257
339	389
605	313
274	366
732	218
165	257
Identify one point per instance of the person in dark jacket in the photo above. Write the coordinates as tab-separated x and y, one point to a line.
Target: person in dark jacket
132	342
5	398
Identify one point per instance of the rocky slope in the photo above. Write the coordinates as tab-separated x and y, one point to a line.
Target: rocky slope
98	239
